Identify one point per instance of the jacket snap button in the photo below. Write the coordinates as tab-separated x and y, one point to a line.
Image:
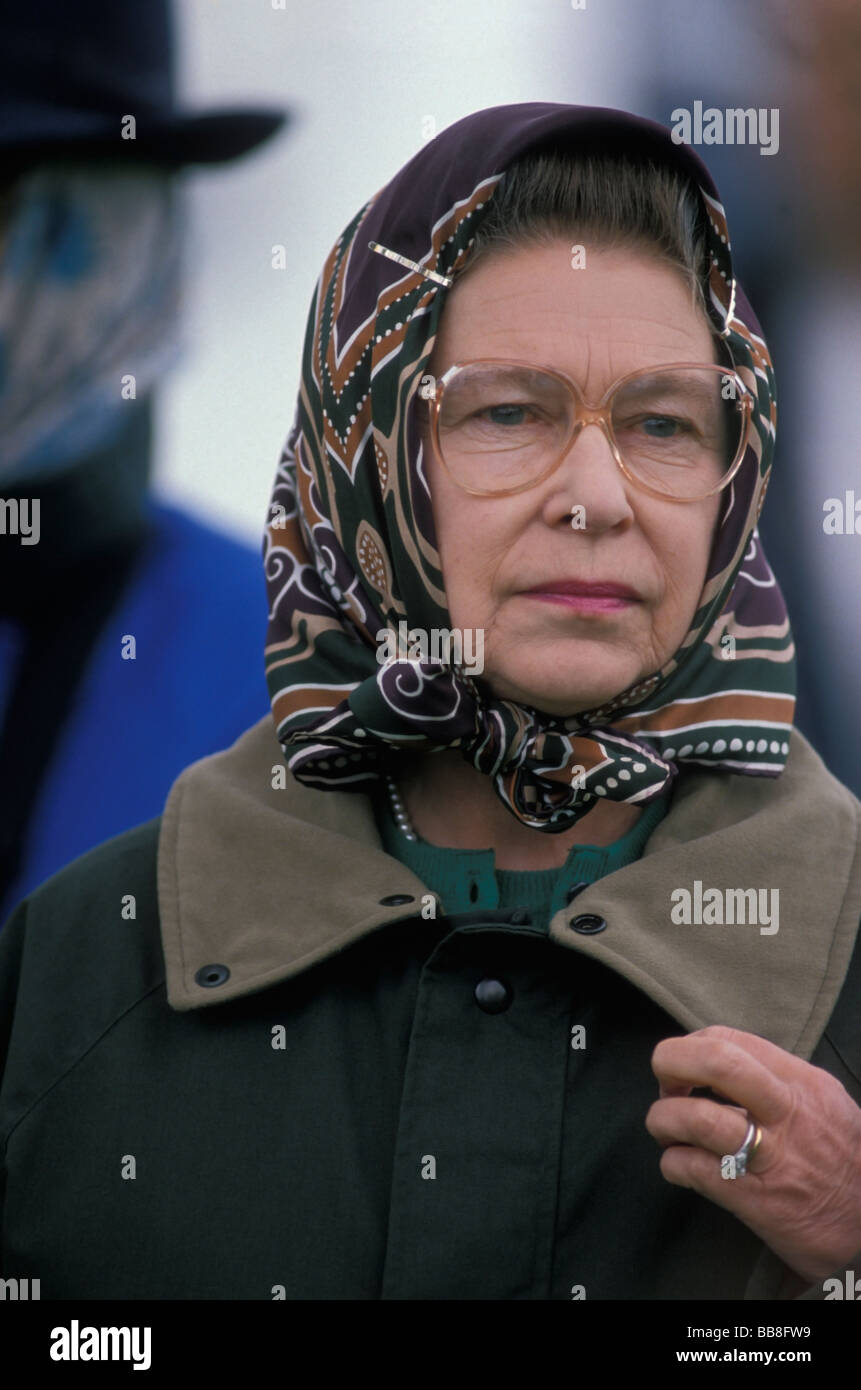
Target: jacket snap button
587	923
519	917
211	975
492	996
395	900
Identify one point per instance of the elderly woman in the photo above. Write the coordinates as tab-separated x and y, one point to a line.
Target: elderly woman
516	959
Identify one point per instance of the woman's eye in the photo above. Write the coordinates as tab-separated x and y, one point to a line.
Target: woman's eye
506	414
661	426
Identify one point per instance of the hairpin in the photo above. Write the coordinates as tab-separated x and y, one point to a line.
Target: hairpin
730	313
411	265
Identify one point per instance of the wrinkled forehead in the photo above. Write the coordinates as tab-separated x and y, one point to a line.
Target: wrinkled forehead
633	309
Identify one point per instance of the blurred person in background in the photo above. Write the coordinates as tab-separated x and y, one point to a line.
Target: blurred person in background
104	592
795	222
817	320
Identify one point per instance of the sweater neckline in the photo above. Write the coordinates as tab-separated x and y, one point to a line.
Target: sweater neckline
468	879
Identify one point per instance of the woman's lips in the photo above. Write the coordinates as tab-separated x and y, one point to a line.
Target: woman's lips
586	598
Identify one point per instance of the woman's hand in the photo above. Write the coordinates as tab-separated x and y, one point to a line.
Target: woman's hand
802	1190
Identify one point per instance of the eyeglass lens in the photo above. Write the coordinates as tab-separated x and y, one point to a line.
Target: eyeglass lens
678	430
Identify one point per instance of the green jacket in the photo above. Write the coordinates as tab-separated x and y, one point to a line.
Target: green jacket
241	1059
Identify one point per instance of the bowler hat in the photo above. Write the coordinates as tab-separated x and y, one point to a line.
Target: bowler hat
73	71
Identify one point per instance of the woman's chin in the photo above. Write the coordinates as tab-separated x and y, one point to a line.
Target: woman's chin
553	693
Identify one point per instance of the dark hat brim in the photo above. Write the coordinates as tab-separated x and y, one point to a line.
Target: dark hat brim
212	137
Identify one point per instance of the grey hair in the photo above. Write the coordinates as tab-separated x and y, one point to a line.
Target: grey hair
613	200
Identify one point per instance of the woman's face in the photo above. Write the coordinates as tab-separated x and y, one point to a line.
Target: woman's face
624	311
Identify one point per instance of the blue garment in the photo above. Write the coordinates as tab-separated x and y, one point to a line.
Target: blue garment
196	606
11	647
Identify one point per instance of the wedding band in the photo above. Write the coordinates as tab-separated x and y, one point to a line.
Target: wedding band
752	1141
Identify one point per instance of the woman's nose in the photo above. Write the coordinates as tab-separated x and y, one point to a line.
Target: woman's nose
590	478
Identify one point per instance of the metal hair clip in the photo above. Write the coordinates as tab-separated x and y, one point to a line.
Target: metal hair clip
411	265
730	313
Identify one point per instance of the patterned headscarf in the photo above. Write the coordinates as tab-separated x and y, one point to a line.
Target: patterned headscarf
350	546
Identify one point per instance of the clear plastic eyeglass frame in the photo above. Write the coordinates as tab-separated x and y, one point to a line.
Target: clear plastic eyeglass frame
599	413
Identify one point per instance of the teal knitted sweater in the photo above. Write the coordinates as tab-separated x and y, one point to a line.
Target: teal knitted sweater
468	879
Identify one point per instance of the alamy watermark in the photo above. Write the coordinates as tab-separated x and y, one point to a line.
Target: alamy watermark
736	125
76	1343
850	1288
20	1290
463	647
843	515
19	516
726	907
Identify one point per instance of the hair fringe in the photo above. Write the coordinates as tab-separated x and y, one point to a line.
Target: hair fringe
608	198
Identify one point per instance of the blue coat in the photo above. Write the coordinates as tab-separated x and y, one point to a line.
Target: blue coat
196	606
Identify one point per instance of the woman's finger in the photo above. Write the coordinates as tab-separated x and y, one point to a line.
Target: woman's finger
730	1070
703	1124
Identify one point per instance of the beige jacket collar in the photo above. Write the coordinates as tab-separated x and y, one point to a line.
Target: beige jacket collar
267	882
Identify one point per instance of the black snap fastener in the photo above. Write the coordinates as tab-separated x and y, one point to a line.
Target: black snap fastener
493	996
574	890
588	924
395	900
519	917
211	975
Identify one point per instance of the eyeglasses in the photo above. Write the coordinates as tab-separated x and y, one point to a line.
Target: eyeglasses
500	427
